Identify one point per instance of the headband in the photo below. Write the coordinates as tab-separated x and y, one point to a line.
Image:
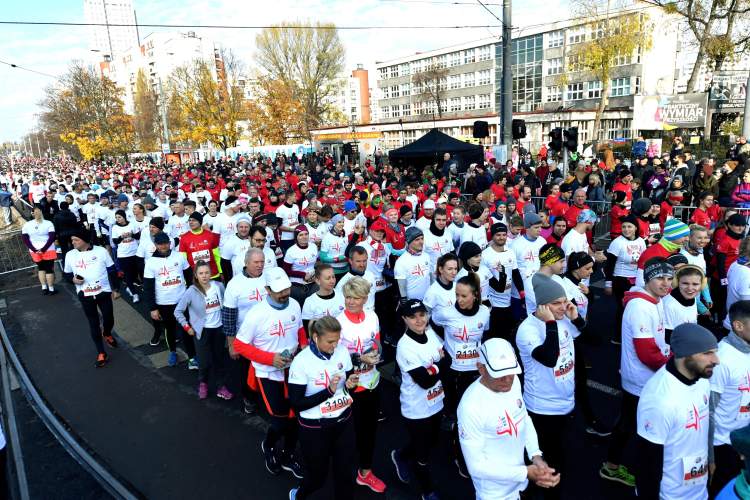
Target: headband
657	271
583	261
391	211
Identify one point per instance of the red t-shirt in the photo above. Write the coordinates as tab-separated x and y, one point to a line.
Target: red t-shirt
559	208
644	228
200	247
571	214
628	190
700	217
396	239
667	212
715	213
729	246
616	215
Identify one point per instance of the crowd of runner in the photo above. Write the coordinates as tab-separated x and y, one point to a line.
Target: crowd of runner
491	292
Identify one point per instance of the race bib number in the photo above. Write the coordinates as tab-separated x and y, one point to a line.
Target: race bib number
695	470
379	284
170	282
435	394
91	289
212	304
336	404
201	255
744	412
564	368
367	375
467	354
278	253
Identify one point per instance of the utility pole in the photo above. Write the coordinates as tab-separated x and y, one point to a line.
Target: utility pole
37	146
163	112
507	84
745	120
565	154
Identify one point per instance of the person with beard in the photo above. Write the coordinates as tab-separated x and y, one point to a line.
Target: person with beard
726	252
672	454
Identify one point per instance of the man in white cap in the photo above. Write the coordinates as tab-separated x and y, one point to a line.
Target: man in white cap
494	428
428	209
673	420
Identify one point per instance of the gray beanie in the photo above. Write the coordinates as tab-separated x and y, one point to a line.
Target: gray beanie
688	339
529	207
412	233
546	289
148	200
530	218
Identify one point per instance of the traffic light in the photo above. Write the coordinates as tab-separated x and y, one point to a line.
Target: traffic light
519	129
571	139
556	138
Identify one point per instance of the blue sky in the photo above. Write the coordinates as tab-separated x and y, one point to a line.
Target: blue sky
48	49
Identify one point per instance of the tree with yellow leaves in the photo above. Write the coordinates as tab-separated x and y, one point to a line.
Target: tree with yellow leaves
273	113
611	35
146	115
207	102
85	108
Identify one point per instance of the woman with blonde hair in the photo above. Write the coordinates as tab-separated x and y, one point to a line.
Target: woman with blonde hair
39	236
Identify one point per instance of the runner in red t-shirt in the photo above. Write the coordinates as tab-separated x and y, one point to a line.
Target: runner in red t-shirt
667	206
199	244
700	215
561	205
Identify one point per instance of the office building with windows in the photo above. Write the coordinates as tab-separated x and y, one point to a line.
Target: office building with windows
107	38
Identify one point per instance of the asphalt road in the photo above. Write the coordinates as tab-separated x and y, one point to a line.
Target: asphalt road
148	427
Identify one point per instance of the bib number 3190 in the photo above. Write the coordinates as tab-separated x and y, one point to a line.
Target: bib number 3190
333	406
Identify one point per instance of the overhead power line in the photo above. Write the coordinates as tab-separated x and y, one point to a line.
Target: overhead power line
27	69
439	3
35	23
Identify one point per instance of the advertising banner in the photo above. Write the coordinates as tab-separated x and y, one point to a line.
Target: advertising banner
668	112
728	90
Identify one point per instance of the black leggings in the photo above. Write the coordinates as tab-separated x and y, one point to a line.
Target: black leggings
549	430
501	325
210	351
129	268
47	266
169	323
282	425
626	422
385	304
719	296
423	435
247	392
89	305
455	384
157	324
620	285
366	409
64	241
322	440
226	270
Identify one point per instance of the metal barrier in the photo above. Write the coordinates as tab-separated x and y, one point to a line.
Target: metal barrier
14	254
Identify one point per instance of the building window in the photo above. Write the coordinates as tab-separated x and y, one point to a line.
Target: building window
410	136
455	81
612	130
574	63
417	108
620	86
455	104
575	91
416	67
638	54
595	90
527	56
468	80
394	71
386	93
627	126
354	110
353	94
554	94
485	53
554	66
484	77
484	101
441	61
576	35
385	111
596	30
396	110
469	56
583	131
555	38
455	58
443	84
405	89
637	89
353	85
406	109
404	69
470	103
622	60
394	91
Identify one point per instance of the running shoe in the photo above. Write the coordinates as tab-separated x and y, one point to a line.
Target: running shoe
192	364
203	390
397	378
45	292
293	494
598	428
101	360
53	292
156	339
462	470
111	341
431	496
382	417
447	422
620	475
388	340
173	358
272	463
402	470
370	480
136	299
225	394
294	467
129	292
250	407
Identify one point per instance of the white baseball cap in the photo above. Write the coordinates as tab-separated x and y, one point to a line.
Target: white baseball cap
499	359
276	279
429	205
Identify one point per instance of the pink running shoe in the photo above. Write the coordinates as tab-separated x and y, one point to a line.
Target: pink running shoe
370	480
203	390
224	393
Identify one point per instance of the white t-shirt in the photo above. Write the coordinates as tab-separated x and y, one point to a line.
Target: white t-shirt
484	279
731	379
476	234
738	288
627	252
178	226
39	233
289	217
315	374
128	247
497	262
316	308
548	391
675	416
92	266
316	233
437	297
169	280
376	260
226	227
572	292
423	223
463	335
417	403
335	246
455	232
90	210
235	251
213	307
415	269
641	320
102	214
527	258
146	247
494	429
358	337
370	278
696	260
141	226
210	220
301	259
349	225
244	293
436	246
677	314
573	242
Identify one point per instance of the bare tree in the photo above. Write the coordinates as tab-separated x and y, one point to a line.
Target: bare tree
431	87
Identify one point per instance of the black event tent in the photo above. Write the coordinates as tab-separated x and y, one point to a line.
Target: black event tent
430	148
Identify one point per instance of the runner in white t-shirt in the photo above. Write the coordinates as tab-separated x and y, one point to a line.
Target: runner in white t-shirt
442	293
39	236
680	306
439	242
738	279
526	248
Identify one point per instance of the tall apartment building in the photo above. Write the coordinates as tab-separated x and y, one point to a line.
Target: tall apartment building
352	98
108	40
158	56
540	97
705	74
